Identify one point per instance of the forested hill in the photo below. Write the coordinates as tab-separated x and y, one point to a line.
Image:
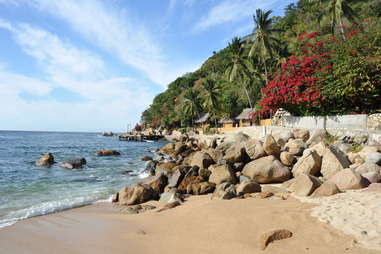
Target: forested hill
321	57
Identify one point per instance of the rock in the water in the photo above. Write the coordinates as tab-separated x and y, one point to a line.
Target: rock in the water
146	158
333	161
221	174
135	194
115	197
202	188
150	167
47	160
326	189
272	236
304	185
107	152
309	163
267	170
295	146
74	163
225	191
254	149
270	146
348	179
374	158
302	134
248	187
287	158
202	160
175	179
170	196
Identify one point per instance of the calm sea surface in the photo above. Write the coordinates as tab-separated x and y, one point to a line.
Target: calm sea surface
26	190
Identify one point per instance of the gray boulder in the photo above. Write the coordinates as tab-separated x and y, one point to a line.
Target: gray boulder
170	196
224	191
73	163
309	163
46	160
221	174
202	160
333	161
295	146
175	179
135	194
266	170
254	149
326	189
348	179
304	185
248	187
270	146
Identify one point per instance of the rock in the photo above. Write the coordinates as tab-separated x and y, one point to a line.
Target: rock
282	137
235	153
150	167
107	152
186	183
204	173
169	206
262	195
170	196
46	160
167	149
73	163
343	147
366	150
287	184
319	148
333	161
135	194
157	182
309	163
175	179
146	158
221	174
202	188
374	187
243	178
179	147
367	167
238	166
254	149
248	187
287	158
115	197
238	138
355	158
202	160
224	191
374	158
347	179
295	146
215	154
326	189
266	170
272	236
166	167
270	146
316	136
302	134
304	185
273	189
372	177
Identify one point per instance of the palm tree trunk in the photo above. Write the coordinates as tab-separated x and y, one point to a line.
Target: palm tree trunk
341	27
248	97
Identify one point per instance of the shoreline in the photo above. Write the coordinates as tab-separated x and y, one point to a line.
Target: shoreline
200	225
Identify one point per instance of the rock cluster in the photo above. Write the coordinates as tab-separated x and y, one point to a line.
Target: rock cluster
240	166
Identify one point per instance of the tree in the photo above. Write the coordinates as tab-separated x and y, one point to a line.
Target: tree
209	96
190	105
264	43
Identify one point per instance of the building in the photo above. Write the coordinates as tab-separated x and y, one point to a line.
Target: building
227	124
245	118
203	121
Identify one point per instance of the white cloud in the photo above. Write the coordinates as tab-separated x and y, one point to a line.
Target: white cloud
231	11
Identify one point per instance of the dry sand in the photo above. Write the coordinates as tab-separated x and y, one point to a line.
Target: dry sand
200	225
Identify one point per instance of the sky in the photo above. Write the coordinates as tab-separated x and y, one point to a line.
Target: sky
95	65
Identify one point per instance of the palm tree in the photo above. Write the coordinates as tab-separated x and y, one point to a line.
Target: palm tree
239	67
264	43
190	104
209	96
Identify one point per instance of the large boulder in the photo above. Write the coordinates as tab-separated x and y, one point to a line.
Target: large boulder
248	187
175	179
238	138
46	160
319	148
267	170
73	163
316	136
374	158
179	147
107	152
295	146
215	154
186	184
167	149
202	188
370	171
202	160
348	179
326	189
254	149
221	174
235	153
270	146
302	134
304	185
150	167
157	182
366	150
355	158
282	137
333	161
166	167
309	163
135	194
170	196
224	191
287	158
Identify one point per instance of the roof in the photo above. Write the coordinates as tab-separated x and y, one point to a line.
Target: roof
204	118
226	120
245	114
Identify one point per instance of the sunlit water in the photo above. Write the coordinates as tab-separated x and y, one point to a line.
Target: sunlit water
26	190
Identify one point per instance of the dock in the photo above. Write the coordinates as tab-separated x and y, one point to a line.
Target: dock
140	137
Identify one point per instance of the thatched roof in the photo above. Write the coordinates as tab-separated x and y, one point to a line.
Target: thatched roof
226	120
245	114
203	119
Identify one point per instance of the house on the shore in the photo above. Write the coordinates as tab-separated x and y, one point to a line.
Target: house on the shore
203	121
227	124
245	118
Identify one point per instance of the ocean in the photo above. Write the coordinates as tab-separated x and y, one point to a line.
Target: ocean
27	190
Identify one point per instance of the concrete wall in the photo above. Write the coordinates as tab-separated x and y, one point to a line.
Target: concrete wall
309	122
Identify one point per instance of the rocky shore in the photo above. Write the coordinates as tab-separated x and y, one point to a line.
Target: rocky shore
300	163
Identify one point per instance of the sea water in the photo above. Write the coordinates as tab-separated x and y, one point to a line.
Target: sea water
27	190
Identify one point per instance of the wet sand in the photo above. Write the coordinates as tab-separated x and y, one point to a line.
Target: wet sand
200	225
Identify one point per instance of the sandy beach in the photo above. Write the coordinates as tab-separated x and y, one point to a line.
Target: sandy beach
200	225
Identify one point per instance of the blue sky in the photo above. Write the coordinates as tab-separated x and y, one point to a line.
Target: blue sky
93	65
